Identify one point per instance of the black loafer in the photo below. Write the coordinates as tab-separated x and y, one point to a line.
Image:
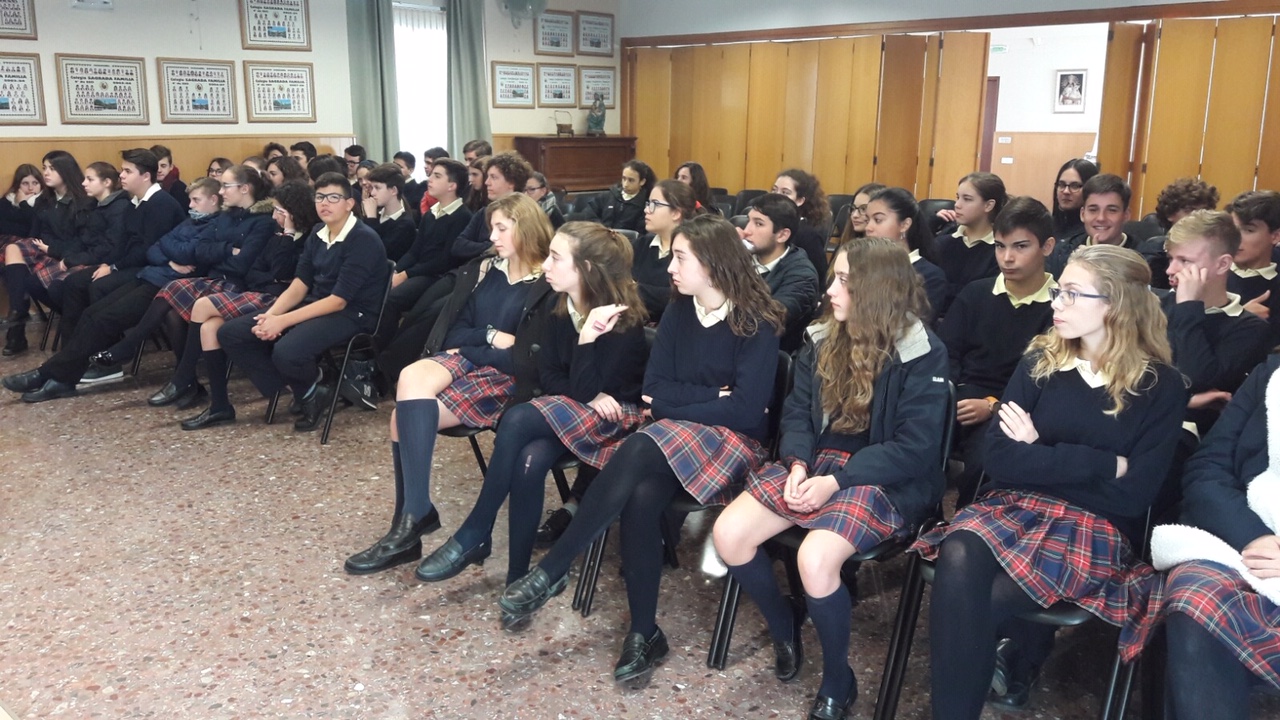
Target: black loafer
401	545
788	657
825	708
526	595
24	381
209	419
640	655
314	408
50	390
192	398
515	623
553	528
15	340
450	559
170	394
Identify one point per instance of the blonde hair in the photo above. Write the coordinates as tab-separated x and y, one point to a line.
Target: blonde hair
1136	327
533	229
1215	226
887	297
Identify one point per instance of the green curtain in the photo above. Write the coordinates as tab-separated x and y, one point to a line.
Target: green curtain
371	48
468	81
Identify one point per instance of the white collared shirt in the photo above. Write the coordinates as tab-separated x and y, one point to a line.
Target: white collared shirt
323	233
1233	307
709	318
1268	272
1041	295
576	317
501	265
656	242
1085	368
155	188
988	239
439	210
768	268
384	217
914	256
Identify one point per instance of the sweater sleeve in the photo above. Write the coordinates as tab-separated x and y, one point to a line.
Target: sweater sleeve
660	375
955	331
798	435
797	291
605	364
364	263
749	394
1211	365
474	240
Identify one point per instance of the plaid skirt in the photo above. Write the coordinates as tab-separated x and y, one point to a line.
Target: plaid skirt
862	515
182	294
46	269
478	394
231	305
590	437
1059	552
708	460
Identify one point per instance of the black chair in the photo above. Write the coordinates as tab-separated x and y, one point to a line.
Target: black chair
787	544
725	208
631	235
838	202
743	198
719	191
579	203
51	315
739	221
842	219
1143	229
930	208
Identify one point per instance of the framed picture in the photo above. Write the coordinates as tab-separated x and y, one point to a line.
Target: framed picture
512	85
197	91
553	33
102	90
274	25
595	34
17	20
557	85
1068	91
598	80
21	91
279	91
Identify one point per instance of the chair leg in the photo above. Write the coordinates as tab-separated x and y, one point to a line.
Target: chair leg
726	618
475	448
230	365
670	525
1118	688
904	630
585	594
271	407
333	399
562	484
49	322
137	361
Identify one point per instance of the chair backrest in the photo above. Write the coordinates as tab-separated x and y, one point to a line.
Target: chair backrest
838	201
743	198
725	208
719	191
580	201
1143	229
628	234
782	379
382	309
842	219
739	221
930	208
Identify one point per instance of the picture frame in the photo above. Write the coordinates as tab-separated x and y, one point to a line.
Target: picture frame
18	20
597	78
275	25
279	91
595	34
21	90
197	91
1068	91
557	85
513	84
553	33
102	89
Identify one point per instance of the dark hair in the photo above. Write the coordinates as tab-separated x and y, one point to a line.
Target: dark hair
989	187
335	179
72	176
603	260
322	164
780	209
257	162
903	204
249	176
289	167
1086	170
298	199
222	164
1184	194
1025	213
714	242
161	152
206	185
273	147
679	196
407	158
816	210
700	185
143	159
435	153
539	177
1102	184
647	177
1257	205
480	147
306	148
456	171
870	189
477	198
24	171
388	174
106	171
356	151
513	167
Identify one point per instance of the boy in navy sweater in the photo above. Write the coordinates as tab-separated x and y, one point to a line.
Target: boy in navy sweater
1253	274
386	212
992	320
772	218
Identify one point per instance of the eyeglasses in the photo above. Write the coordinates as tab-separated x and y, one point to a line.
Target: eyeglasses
330	198
859	209
535	189
1069	297
278	209
227	186
1069	187
653	205
352	163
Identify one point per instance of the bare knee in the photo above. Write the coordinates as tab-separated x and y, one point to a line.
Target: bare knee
422	379
732	537
203	310
819	561
12	254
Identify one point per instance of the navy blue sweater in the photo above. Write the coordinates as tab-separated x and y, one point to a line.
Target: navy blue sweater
963	264
935	285
430	255
650	273
613	364
986	337
1251	288
144	225
397	235
495	303
354	270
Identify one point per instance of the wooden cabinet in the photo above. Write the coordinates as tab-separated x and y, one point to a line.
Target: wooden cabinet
578	163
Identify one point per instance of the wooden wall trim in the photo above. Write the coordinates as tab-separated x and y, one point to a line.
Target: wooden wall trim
985	22
150	139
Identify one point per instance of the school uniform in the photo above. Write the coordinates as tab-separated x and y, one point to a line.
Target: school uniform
473	241
809	239
1250	284
397	230
935	283
615	210
177	189
413	194
1057	260
16	218
964	259
649	269
794	283
424	263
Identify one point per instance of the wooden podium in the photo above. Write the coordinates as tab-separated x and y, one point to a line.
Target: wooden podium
578	163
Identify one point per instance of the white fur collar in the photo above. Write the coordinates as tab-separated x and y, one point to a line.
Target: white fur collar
912	343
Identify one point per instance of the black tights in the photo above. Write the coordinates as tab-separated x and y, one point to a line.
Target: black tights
1203	677
636	486
159	316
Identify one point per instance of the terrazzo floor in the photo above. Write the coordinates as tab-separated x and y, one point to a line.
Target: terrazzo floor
147	572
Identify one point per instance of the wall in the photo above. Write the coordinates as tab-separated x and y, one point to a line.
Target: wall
1027	77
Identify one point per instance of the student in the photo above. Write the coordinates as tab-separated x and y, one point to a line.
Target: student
353	155
1183	197
413	190
1068	198
894	213
537	189
304	152
591	368
429	158
670	204
772	221
857	225
622	206
273	150
386	211
968	253
337	293
504	173
282	169
1104	209
477	197
859	427
990	324
168	175
217	166
1086	433
322	164
483	361
815	214
692	174
1253	273
18	203
709	408
476	149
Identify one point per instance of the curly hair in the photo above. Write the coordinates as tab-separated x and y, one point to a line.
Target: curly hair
1184	194
816	210
603	259
714	242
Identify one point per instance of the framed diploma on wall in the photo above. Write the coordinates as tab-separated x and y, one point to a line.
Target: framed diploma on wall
279	91
197	91
102	90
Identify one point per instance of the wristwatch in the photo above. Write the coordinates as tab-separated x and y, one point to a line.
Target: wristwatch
489	334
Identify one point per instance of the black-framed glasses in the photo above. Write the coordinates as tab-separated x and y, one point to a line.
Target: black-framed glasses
860	209
1069	297
653	205
1069	187
330	198
535	188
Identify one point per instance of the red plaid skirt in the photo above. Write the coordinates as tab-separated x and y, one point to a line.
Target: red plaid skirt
709	460
861	515
182	294
231	305
46	269
1059	552
591	438
478	394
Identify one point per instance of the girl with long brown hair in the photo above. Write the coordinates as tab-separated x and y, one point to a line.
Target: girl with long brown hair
864	417
709	408
669	204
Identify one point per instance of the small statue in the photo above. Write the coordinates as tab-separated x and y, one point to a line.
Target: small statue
595	118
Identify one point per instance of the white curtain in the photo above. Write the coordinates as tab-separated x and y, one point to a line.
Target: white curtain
422	80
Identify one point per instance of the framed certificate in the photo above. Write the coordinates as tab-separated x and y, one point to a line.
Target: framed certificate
102	90
279	91
197	91
598	80
17	20
512	85
557	85
553	33
21	92
274	25
595	34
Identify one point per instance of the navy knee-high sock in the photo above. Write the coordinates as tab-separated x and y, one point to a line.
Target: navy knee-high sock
416	423
215	361
756	577
15	279
832	619
185	373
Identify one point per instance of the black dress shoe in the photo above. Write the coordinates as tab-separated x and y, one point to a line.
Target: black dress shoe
170	394
402	544
826	708
1013	678
450	559
50	390
15	340
515	623
192	398
24	381
554	527
640	655
788	657
526	595
314	408
208	418
295	406
104	359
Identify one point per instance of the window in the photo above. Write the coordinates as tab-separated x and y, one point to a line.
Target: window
421	79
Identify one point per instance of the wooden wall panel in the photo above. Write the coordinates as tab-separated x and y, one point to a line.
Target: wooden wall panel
1269	169
800	99
682	93
704	117
1036	157
651	108
831	113
901	94
928	118
864	108
731	121
1142	128
957	135
1232	129
1120	98
191	153
765	116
